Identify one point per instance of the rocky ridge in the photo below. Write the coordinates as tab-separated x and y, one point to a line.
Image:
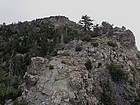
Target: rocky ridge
65	79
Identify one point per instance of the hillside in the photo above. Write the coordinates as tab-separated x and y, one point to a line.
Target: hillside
53	61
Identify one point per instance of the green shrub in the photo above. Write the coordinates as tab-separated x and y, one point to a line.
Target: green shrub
8	93
66	39
131	82
86	38
110	43
65	54
3	94
94	44
78	48
51	67
53	53
88	64
22	102
117	72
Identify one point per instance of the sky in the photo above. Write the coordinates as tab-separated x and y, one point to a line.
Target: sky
117	12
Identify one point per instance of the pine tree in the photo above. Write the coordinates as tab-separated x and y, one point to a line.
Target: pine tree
86	22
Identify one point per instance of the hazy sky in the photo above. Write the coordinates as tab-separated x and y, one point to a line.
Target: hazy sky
117	12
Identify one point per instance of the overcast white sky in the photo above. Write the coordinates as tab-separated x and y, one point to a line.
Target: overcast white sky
118	12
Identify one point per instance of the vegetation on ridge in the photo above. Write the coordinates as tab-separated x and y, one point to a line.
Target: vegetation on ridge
19	42
117	72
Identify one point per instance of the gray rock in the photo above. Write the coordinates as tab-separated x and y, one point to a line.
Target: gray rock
9	102
70	83
106	27
30	80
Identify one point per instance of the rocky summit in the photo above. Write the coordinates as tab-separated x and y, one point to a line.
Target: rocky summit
87	69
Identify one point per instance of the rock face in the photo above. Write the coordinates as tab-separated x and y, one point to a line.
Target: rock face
106	27
65	80
125	37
